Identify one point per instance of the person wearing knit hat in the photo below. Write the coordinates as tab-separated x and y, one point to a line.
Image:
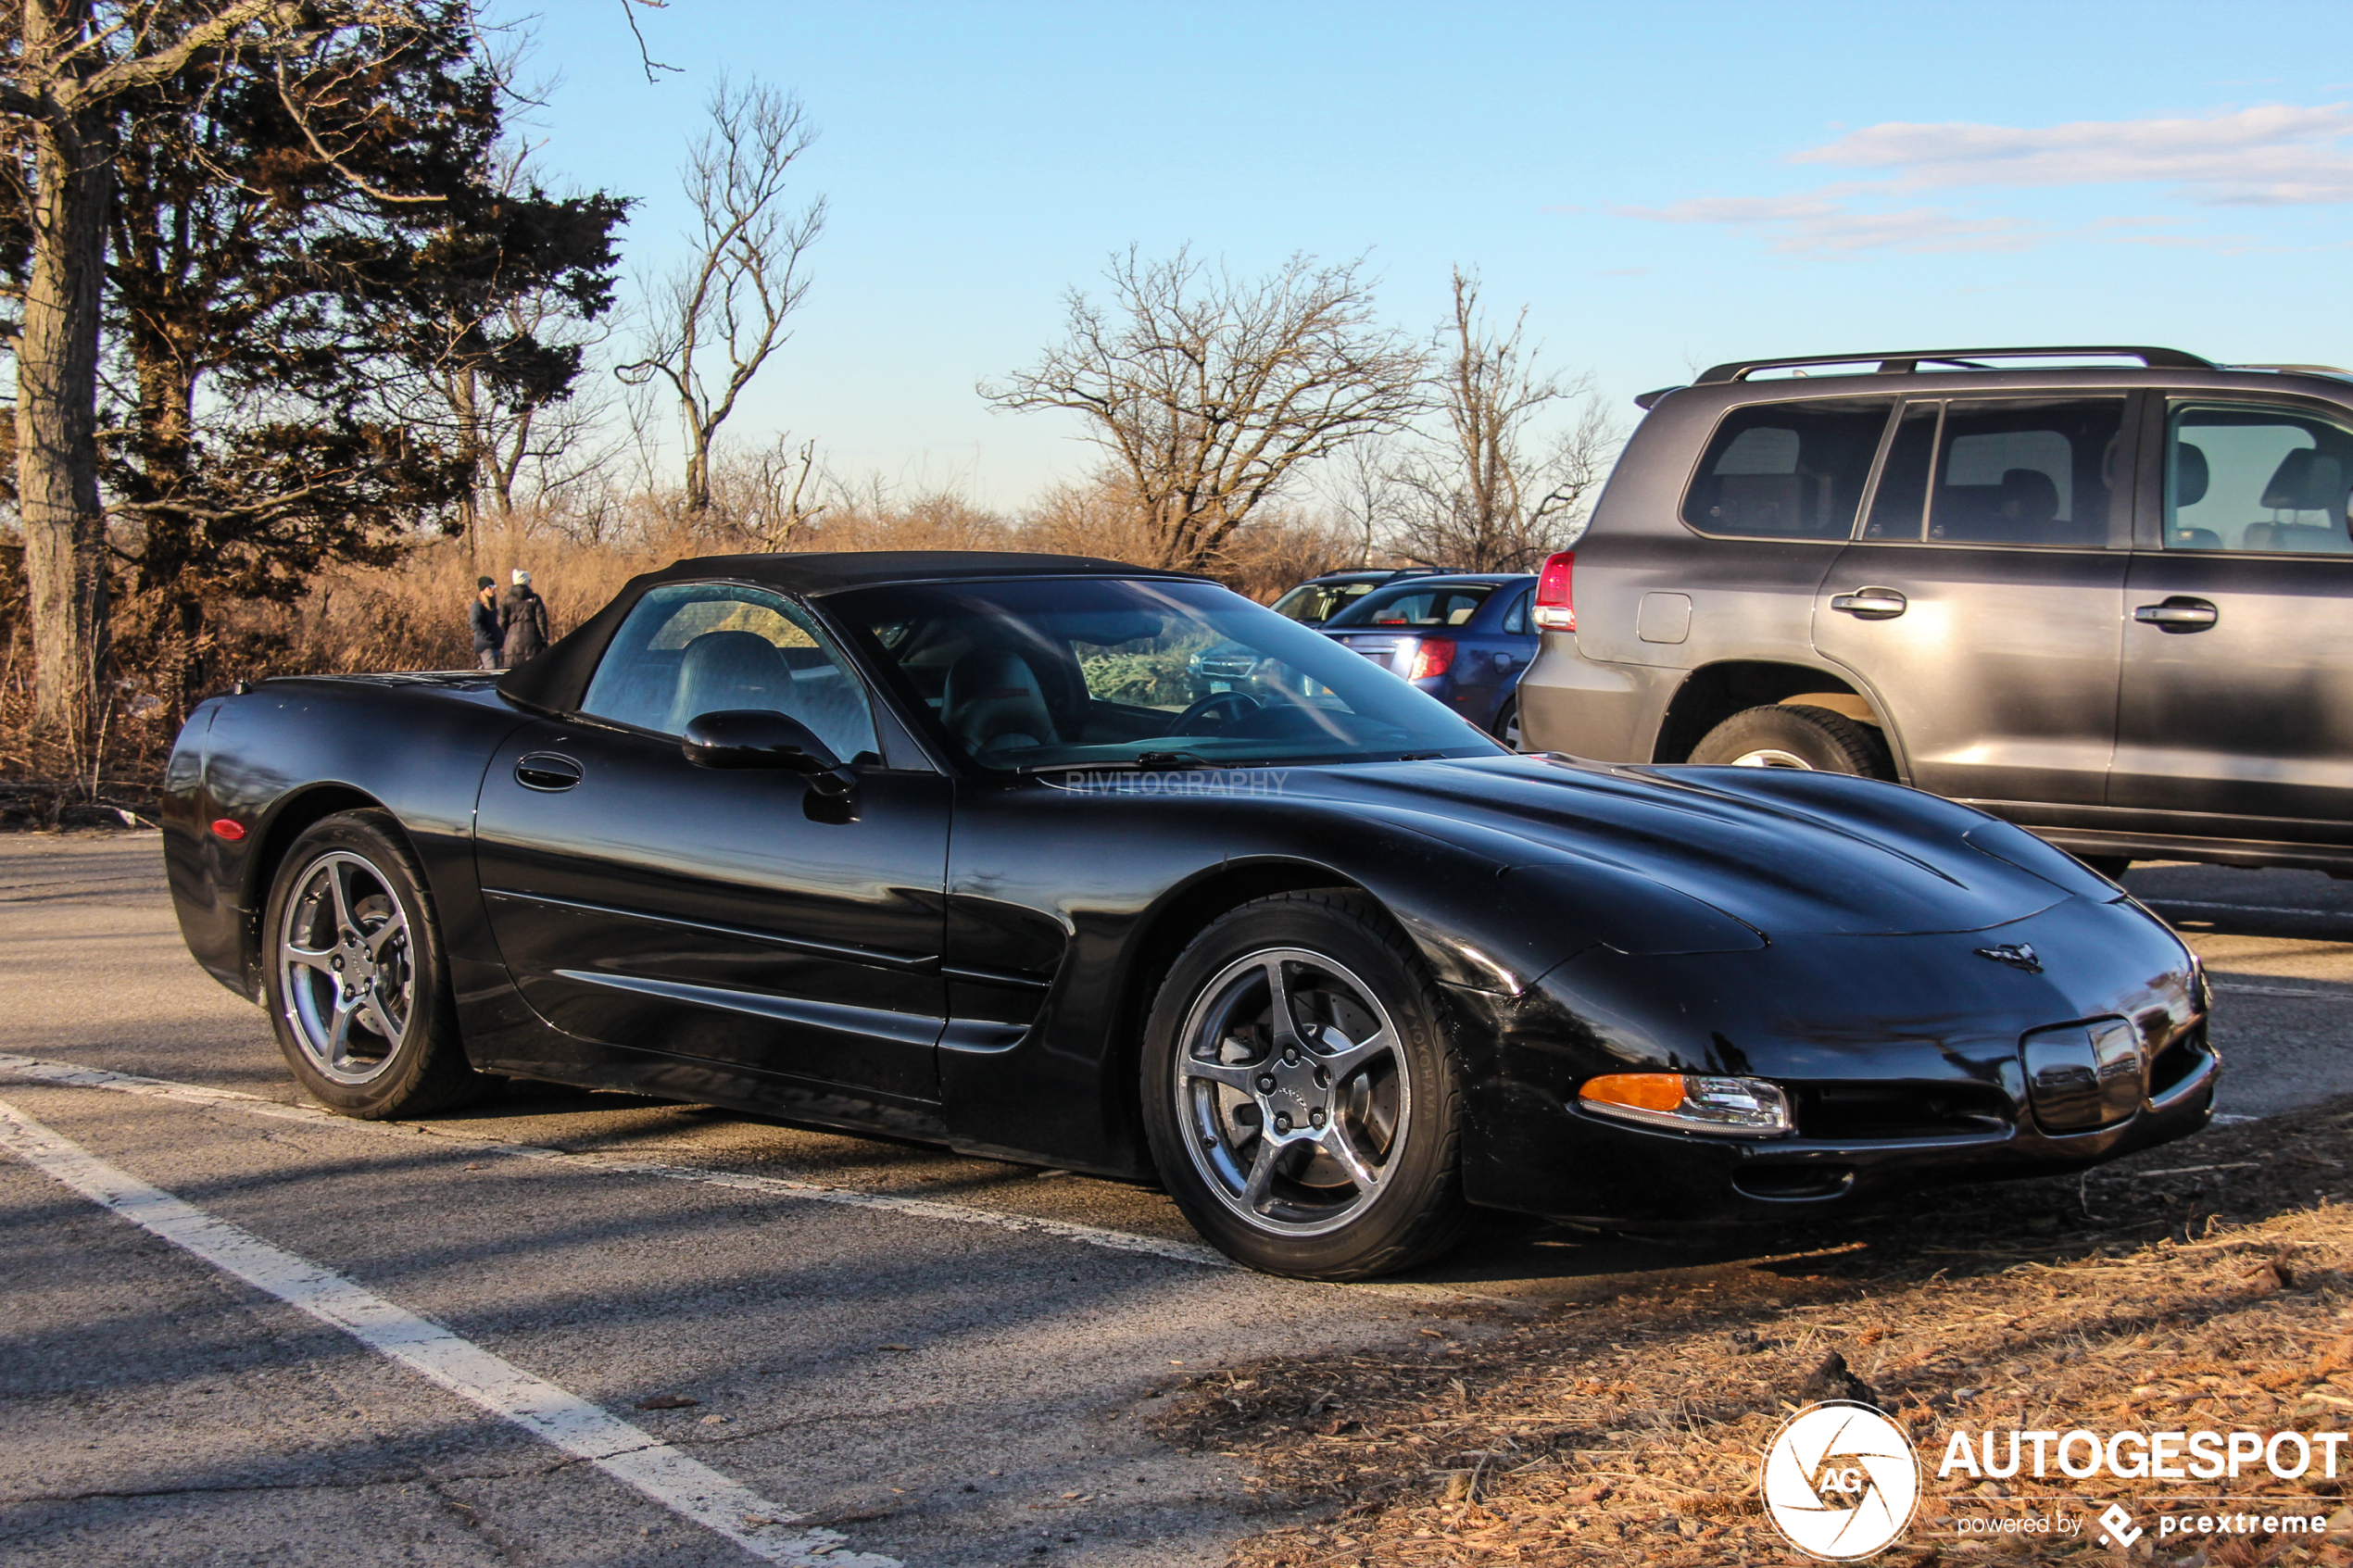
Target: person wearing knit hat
523	620
482	619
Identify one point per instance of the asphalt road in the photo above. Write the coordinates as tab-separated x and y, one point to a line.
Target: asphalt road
239	1331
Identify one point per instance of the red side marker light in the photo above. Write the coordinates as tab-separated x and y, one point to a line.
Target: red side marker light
228	828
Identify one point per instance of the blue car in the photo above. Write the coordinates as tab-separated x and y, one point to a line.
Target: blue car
1464	638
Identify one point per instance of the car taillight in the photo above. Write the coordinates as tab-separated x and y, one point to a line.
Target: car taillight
1556	608
1435	656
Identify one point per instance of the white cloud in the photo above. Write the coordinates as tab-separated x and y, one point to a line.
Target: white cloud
2274	155
1816	225
2270	155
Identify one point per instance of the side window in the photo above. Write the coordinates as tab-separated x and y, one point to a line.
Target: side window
2040	471
1787	471
2255	478
1901	500
691	648
1516	618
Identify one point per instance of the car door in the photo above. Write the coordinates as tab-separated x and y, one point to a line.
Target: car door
721	916
2236	713
1490	651
1980	603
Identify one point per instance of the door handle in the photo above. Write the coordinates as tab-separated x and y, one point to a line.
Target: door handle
547	771
2180	613
1871	604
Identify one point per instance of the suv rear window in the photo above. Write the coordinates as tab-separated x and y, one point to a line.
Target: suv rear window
1787	471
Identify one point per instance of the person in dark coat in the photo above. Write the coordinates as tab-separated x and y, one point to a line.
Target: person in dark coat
482	618
523	620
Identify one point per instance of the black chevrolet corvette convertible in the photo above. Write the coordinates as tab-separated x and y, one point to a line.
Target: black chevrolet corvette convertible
947	846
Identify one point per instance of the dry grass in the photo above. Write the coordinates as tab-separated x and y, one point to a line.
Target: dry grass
1630	1430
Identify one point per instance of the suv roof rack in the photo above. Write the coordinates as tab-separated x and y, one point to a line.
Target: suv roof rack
1905	361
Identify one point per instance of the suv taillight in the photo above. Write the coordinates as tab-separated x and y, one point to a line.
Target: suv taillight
1556	608
1435	656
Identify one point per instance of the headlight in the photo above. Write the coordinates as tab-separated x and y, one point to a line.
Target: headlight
1740	1108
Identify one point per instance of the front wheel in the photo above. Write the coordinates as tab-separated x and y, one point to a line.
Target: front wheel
355	977
1299	1094
1798	737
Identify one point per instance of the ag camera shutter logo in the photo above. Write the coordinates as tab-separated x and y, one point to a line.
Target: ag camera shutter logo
1841	1481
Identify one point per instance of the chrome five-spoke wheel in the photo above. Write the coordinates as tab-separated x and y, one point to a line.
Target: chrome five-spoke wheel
346	970
358	990
1289	1086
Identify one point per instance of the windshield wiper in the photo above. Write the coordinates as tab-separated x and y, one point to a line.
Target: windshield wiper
1142	763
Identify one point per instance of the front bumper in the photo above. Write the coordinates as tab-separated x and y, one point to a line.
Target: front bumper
1610	1171
1904	1056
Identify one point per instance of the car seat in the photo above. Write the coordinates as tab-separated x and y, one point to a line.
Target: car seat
993	703
731	669
2306	481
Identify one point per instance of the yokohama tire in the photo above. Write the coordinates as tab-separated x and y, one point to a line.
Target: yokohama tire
355	978
1798	737
1330	1152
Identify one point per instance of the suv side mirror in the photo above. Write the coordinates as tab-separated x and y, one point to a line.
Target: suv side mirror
760	737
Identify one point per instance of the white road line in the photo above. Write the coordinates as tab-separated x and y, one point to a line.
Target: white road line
66	1073
571	1423
2238	989
2247	908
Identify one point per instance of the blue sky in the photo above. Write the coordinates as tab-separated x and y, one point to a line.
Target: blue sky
1663	185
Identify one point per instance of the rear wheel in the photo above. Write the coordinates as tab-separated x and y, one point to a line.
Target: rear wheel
1506	725
355	980
1300	1092
1813	738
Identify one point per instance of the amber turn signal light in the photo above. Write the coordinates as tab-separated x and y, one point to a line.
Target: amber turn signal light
1743	1108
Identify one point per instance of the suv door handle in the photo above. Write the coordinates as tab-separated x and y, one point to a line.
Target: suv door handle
2180	613
547	770
1871	604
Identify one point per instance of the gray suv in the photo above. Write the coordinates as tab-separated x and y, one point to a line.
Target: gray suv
2104	593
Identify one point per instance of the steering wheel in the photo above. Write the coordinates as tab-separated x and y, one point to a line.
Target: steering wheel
1229	705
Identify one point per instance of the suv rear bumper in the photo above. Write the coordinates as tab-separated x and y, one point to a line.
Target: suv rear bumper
1609	712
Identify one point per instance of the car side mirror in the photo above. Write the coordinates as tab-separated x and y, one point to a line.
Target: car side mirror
760	737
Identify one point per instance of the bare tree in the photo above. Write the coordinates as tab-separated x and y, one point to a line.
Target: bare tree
1478	498
1361	487
772	495
713	323
1209	392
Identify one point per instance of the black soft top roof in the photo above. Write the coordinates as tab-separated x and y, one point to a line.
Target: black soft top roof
556	680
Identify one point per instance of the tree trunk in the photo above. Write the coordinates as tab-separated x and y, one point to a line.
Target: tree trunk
697	469
65	536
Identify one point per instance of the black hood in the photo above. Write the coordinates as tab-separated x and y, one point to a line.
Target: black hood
1783	852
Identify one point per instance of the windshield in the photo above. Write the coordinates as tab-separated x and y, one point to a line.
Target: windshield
1415	605
1102	672
1313	602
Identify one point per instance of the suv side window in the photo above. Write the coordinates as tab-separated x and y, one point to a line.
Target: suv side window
2027	472
1787	471
691	648
2249	477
